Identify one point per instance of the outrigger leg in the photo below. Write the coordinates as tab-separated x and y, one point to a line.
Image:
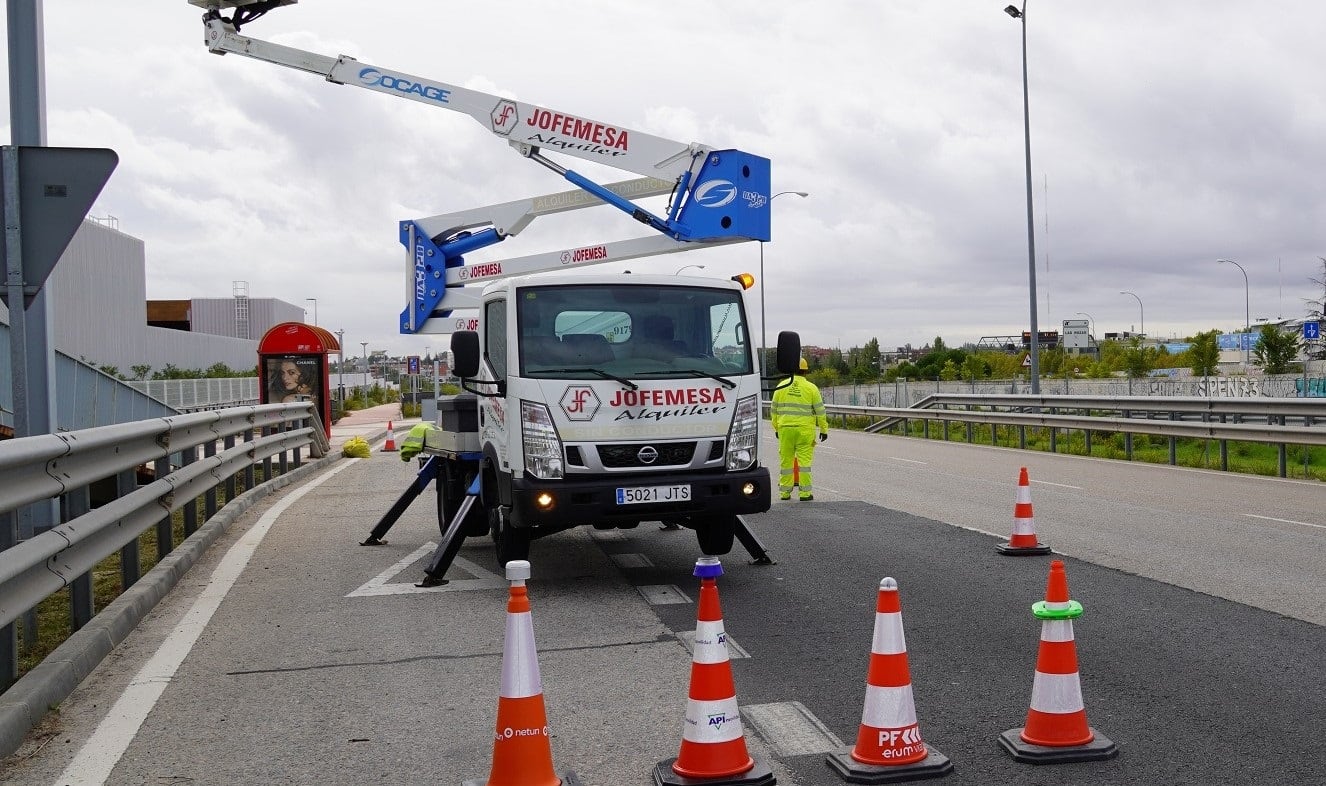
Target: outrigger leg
427	473
753	544
451	540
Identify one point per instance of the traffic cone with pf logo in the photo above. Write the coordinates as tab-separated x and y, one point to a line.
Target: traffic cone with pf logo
1024	540
713	746
390	447
522	744
1057	730
888	745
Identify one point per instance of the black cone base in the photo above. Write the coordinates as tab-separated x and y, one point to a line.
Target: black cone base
759	775
934	765
1022	551
1099	748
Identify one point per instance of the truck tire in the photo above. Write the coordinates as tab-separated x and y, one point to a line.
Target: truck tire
511	542
451	493
715	534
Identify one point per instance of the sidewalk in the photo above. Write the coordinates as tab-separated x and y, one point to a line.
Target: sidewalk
370	423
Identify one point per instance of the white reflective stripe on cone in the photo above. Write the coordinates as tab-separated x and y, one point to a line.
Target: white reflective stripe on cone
1057	630
889	708
1024	493
710	642
889	639
1059	694
520	664
712	721
1024	527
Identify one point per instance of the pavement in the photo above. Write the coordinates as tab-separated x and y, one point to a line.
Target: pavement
371	424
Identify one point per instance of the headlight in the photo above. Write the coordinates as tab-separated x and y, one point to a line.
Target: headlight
741	437
543	448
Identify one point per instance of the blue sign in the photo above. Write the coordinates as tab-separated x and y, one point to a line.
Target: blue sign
413	363
1312	330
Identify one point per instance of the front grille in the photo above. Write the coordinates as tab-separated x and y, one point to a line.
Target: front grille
669	454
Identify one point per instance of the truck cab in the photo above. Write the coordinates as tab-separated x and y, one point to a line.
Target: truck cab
614	399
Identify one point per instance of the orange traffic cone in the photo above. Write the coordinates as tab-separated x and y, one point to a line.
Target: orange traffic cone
888	745
522	745
1024	540
390	447
713	745
1057	730
796	473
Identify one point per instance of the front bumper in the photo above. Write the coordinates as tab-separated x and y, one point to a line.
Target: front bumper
595	501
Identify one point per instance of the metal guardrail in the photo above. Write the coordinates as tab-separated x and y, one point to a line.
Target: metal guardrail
65	466
1261	420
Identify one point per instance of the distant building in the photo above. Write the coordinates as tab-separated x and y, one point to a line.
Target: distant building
97	296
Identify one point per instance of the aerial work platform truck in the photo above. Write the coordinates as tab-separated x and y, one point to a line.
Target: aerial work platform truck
593	398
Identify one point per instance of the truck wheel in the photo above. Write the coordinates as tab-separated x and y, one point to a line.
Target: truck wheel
511	542
454	483
715	534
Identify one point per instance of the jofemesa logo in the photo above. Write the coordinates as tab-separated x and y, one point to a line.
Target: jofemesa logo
715	193
374	78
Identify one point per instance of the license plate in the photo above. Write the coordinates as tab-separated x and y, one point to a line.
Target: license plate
644	494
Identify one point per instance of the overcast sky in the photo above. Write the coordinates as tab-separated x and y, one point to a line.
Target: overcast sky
1165	135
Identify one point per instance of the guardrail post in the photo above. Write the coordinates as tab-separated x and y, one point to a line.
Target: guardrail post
77	503
267	460
1284	456
189	456
1173	445
230	479
165	527
130	554
8	633
209	497
248	469
1022	437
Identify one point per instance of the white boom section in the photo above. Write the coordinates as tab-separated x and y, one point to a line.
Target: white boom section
525	126
510	218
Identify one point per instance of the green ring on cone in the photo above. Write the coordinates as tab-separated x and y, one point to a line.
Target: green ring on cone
1042	611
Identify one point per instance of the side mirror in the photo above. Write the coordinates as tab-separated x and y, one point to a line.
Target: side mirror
465	353
789	352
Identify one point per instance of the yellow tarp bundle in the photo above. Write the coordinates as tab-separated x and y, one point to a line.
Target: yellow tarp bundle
356	447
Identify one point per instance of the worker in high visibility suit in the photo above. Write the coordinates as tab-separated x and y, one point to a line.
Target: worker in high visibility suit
797	411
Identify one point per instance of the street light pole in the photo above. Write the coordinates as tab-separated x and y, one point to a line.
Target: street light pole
1247	323
1021	15
1140	311
364	344
340	365
764	331
315	308
1094	340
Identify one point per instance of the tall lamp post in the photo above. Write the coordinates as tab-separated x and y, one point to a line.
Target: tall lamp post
1093	330
1247	323
364	344
340	366
1140	311
315	308
764	331
1021	15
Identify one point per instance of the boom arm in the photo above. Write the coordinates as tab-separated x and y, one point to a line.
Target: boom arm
718	196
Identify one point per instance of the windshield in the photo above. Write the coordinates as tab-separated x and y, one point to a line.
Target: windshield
628	330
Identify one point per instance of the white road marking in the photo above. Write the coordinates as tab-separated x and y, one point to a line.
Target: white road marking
1060	485
1285	521
94	761
378	586
909	461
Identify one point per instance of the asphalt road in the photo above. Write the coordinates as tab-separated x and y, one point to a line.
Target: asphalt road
1201	646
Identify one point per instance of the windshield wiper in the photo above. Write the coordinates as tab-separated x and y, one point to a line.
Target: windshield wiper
694	372
623	381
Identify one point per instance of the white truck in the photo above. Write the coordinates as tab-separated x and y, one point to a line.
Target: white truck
593	399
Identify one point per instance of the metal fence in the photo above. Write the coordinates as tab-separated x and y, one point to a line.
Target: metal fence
94	475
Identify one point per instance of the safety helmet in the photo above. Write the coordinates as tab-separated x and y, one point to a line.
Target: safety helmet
804	365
